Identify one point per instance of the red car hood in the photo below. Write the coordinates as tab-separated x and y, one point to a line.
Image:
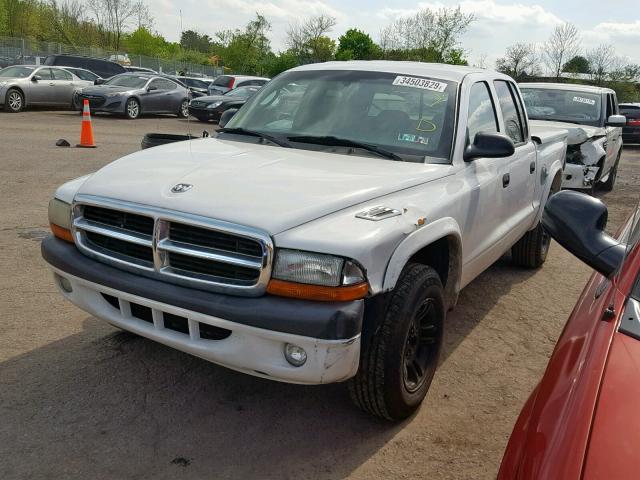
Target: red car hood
614	446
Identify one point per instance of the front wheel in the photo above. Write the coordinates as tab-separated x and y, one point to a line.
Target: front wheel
611	180
184	109
14	101
399	359
132	109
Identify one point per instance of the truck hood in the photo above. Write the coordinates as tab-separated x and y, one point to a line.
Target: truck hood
576	133
261	186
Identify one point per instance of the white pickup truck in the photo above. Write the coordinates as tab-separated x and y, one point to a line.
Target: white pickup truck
591	116
324	233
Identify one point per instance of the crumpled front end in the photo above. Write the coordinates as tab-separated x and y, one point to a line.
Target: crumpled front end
584	163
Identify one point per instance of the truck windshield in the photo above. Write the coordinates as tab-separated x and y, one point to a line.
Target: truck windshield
562	105
409	117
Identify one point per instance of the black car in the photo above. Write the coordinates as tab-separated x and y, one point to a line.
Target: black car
103	68
197	86
631	132
211	107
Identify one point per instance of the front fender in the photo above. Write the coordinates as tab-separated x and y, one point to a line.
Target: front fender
431	232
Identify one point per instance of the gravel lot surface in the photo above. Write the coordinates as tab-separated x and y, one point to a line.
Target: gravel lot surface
79	399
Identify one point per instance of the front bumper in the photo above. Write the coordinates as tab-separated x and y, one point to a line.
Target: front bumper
258	327
100	104
208	113
579	176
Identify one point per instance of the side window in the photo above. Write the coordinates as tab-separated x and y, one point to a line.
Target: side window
168	84
610	108
482	113
61	75
521	110
510	115
45	74
156	83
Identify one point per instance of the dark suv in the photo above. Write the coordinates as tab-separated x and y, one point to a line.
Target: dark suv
631	132
103	68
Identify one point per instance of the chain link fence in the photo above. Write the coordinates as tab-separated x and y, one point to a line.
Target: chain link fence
24	51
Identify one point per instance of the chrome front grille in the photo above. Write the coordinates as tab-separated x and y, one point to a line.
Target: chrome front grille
173	246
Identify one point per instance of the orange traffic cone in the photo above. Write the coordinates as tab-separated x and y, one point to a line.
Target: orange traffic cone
86	134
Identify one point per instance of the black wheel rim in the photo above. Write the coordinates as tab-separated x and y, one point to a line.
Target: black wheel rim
421	346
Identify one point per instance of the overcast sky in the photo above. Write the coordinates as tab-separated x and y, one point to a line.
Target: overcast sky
498	23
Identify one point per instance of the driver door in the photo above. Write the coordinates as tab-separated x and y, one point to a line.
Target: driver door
154	96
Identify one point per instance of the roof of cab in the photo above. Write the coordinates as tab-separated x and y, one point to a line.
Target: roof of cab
567	86
438	70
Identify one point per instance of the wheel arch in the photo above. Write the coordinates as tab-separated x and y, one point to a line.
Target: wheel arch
555	174
19	89
438	245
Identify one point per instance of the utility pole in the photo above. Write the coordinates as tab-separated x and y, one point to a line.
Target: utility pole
181	24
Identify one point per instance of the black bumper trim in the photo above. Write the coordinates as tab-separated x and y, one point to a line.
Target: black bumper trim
323	320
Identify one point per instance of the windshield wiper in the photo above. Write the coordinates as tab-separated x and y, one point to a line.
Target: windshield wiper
345	142
555	119
244	131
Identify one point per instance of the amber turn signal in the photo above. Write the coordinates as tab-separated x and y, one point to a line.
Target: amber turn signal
61	233
317	292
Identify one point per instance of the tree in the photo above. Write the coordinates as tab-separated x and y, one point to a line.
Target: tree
520	61
115	16
563	44
304	38
276	64
427	36
577	64
244	51
192	40
356	45
601	59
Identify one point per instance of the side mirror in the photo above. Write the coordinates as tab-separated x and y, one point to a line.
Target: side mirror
98	81
36	78
616	121
226	116
151	88
577	221
489	145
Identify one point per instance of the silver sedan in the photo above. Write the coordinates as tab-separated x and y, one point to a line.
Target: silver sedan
24	85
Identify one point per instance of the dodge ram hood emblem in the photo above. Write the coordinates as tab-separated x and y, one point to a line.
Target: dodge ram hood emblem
181	187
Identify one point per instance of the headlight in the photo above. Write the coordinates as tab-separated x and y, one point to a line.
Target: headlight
60	219
316	276
214	104
116	94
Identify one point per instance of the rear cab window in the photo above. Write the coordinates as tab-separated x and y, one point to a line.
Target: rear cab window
222	81
513	121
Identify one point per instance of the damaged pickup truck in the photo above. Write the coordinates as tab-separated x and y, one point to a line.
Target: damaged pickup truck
325	232
591	116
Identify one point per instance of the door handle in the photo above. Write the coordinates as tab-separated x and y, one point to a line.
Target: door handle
506	178
532	167
51	84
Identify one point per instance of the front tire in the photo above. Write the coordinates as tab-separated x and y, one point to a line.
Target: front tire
399	359
14	101
613	173
132	109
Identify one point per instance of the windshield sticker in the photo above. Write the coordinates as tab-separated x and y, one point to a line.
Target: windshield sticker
425	125
408	137
417	82
588	101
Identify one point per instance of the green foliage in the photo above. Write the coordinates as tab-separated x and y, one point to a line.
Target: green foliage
191	40
357	45
577	64
276	64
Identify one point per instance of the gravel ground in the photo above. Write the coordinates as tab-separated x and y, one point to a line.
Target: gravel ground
79	399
